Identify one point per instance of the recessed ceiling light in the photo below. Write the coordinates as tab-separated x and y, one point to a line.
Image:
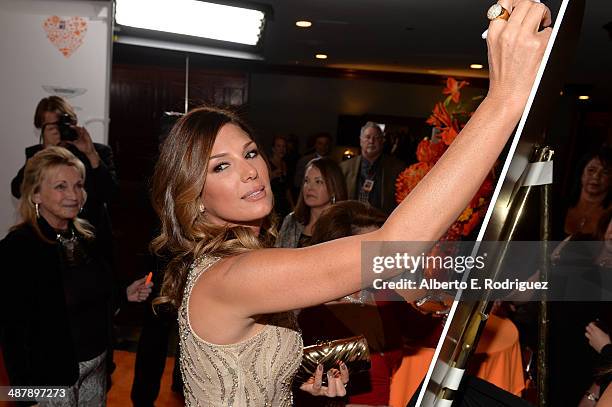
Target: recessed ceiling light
303	23
321	56
195	18
583	97
476	66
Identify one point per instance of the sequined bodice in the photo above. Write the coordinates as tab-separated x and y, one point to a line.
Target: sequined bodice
255	372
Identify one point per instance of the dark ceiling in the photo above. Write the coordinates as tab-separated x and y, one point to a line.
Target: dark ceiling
423	36
439	37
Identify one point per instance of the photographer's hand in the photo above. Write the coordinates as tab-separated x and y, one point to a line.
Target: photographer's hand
86	146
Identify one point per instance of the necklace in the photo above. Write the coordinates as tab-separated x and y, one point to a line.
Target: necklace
68	244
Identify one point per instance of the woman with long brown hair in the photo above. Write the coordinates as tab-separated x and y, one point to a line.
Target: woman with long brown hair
323	186
211	189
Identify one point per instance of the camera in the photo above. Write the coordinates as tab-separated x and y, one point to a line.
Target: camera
67	133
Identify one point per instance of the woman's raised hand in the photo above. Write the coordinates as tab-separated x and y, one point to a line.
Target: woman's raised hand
516	48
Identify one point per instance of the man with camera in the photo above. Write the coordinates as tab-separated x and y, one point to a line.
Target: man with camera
57	120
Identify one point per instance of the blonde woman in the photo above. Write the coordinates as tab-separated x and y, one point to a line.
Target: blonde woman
56	302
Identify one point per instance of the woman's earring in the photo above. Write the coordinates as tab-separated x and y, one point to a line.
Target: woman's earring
202	208
333	199
37	211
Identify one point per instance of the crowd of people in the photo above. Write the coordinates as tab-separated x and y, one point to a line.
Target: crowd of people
252	247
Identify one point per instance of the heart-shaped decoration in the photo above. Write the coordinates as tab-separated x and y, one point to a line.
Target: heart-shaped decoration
66	34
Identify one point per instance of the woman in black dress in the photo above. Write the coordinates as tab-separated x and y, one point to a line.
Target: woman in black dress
56	304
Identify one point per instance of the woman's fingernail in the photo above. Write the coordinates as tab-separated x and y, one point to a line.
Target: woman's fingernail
319	367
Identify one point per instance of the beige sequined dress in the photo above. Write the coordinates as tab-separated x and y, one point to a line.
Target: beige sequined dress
256	372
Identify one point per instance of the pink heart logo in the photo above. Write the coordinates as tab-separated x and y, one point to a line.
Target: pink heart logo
66	34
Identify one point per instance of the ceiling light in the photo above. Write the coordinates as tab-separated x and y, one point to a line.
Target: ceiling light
476	66
303	23
583	97
321	56
193	17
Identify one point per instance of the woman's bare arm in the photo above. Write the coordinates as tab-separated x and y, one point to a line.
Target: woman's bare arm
606	398
274	280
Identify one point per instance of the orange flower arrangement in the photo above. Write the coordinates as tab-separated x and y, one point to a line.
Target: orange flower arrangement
447	118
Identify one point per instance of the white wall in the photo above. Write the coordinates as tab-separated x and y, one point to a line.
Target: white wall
28	61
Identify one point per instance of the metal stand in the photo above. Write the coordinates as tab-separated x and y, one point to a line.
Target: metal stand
545	236
471	317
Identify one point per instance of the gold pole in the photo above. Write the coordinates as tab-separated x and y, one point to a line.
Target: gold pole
479	310
545	236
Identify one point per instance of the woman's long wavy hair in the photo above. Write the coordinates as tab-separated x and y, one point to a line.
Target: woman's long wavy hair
178	182
34	174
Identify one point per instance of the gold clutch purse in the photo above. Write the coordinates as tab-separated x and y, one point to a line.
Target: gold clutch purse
354	352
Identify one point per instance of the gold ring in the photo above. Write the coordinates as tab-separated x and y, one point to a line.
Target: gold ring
497	11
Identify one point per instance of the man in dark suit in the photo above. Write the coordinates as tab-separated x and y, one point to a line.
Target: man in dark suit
370	177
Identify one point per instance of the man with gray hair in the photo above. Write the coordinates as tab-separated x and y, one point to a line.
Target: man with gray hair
370	177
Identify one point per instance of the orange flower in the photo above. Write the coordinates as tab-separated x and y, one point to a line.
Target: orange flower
467	212
440	116
448	135
429	152
448	124
409	178
471	224
452	89
485	191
